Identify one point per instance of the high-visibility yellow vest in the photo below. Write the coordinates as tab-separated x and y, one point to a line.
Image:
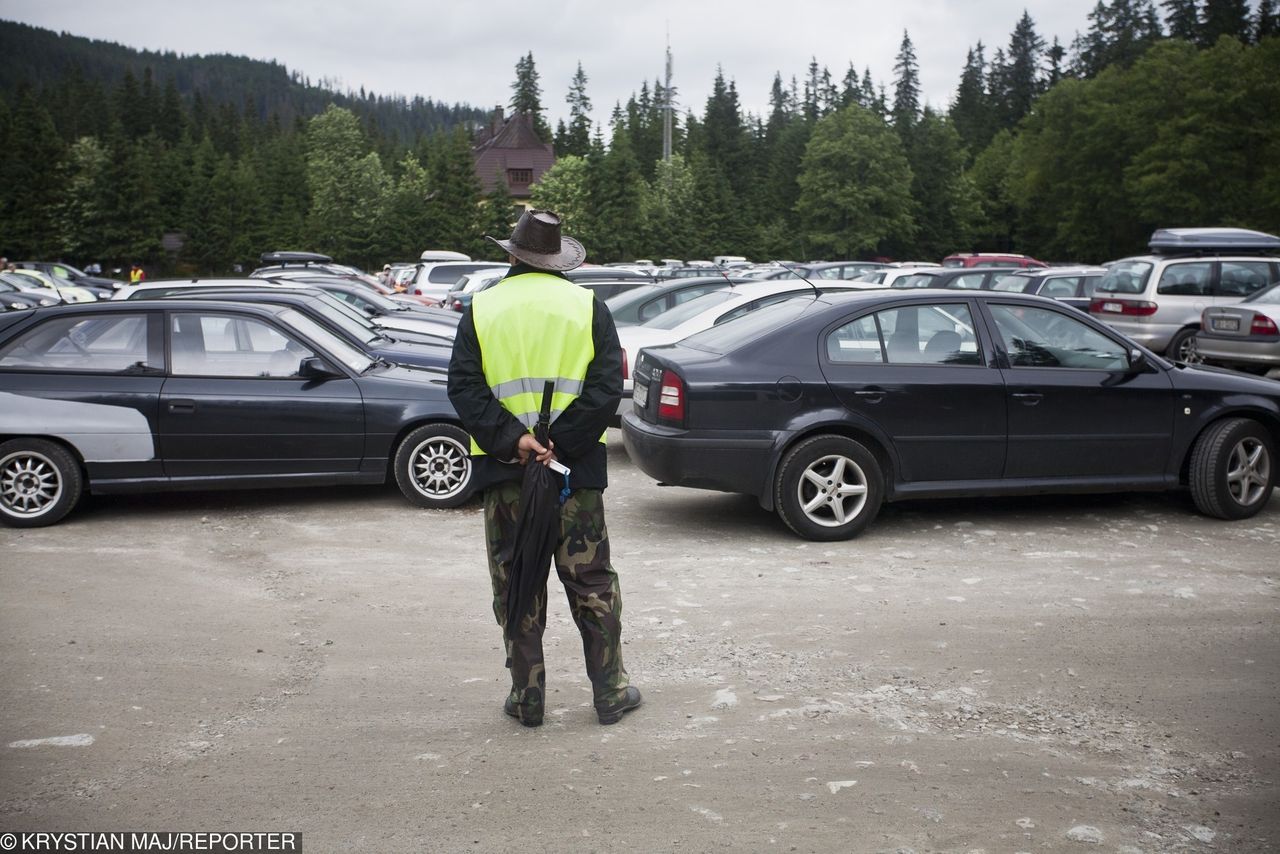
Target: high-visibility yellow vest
532	328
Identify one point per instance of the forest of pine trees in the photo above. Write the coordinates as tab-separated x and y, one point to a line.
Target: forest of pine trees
1153	117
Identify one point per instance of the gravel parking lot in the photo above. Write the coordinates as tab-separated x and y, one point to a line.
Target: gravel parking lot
1049	674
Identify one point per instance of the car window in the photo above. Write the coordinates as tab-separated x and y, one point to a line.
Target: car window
858	341
219	345
1191	279
673	318
1011	283
1043	338
1125	277
1060	286
103	344
687	294
970	281
1090	285
1243	278
939	334
735	313
996	278
829	273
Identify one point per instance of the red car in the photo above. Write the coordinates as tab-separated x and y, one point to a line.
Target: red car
990	259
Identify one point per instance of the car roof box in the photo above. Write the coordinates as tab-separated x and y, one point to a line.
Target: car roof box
443	255
1177	241
294	258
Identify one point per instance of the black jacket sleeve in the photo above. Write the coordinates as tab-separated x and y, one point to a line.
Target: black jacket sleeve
494	428
578	429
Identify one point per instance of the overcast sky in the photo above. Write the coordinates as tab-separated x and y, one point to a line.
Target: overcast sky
460	51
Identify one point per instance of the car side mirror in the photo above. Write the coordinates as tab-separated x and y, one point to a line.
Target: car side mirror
1138	362
314	368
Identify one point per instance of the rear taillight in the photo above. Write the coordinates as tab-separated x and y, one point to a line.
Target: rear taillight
1123	307
671	397
1263	325
626	375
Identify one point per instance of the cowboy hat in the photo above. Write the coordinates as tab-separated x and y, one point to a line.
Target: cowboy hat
536	240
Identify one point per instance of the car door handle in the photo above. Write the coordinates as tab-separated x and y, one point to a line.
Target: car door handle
871	395
182	407
1029	398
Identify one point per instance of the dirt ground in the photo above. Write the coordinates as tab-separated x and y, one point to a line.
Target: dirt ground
1049	674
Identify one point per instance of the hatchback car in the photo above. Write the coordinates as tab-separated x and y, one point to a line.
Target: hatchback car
825	408
1245	336
153	395
1073	286
646	302
1158	299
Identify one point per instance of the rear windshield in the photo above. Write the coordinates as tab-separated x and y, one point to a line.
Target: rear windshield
953	262
734	333
1013	283
1125	277
678	315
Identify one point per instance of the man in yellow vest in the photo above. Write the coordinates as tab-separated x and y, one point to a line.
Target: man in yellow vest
533	326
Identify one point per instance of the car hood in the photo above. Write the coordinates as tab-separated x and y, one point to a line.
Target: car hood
1205	377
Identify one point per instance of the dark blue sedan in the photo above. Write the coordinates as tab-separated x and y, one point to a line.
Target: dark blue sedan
148	395
825	407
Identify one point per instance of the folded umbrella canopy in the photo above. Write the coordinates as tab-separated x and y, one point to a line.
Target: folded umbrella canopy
537	529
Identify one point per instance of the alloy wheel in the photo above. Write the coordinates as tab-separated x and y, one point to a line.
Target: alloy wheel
440	467
29	484
1248	471
832	490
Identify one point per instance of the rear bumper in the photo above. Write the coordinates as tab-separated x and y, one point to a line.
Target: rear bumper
725	461
1153	336
1239	350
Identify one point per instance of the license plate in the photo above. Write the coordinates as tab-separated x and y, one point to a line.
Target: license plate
1226	324
1117	308
640	394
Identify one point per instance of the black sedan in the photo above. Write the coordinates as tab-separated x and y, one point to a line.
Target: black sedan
139	396
825	407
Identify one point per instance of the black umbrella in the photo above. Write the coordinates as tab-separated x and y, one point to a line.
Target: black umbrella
537	530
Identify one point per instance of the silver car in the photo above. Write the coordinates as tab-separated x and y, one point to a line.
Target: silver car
1244	336
1158	299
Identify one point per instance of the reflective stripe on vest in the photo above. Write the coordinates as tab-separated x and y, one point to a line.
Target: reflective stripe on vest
532	328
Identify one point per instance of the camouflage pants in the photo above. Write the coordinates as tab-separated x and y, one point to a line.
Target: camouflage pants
591	585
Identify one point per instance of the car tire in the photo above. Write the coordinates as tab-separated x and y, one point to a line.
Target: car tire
433	466
828	488
1182	347
40	482
1233	469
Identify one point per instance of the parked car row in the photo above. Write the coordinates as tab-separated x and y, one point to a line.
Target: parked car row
822	396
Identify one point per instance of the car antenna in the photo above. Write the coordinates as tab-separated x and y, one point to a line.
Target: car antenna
816	293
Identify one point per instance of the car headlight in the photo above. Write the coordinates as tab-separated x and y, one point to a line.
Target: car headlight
18	305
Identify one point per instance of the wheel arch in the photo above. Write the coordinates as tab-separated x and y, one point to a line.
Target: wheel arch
407	428
1269	420
61	441
865	436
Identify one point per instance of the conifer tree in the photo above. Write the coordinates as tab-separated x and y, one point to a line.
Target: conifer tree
906	87
1267	21
1022	77
526	95
1225	18
577	137
971	109
1183	19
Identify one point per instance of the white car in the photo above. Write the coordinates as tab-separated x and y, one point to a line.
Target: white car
435	279
885	277
707	311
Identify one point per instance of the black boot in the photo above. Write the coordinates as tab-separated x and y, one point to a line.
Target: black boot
611	713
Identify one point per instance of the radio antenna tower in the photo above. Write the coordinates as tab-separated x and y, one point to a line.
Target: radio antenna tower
666	106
